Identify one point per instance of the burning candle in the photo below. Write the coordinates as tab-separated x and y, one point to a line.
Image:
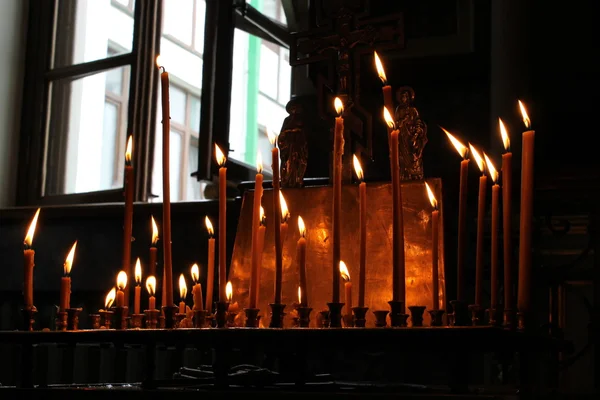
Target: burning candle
362	221
28	258
229	292
462	215
277	216
110	298
525	227
285	216
138	287
153	249
65	282
121	285
507	215
479	262
398	261
387	99
233	307
261	245
197	288
338	151
435	228
495	219
210	279
221	159
300	297
301	256
182	293
258	191
151	288
347	287
166	124
127	224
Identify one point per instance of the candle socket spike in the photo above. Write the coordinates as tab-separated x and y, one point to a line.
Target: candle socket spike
509	319
178	318
360	314
28	317
494	316
523	321
136	321
324	318
277	315
477	317
231	319
95	319
221	314
251	317
120	317
107	316
381	318
304	316
348	320
151	318
73	319
61	321
200	318
210	321
335	314
460	314
169	316
416	315
436	317
397	316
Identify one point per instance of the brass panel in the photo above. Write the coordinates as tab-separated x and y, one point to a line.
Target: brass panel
314	205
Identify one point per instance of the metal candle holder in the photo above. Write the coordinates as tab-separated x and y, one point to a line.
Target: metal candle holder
494	316
360	314
416	315
381	318
95	318
324	316
120	317
28	314
73	319
477	316
200	318
304	316
61	321
251	317
397	316
348	320
436	317
523	320
169	316
151	318
460	313
178	318
136	321
335	314
509	319
231	319
107	316
277	315
221	314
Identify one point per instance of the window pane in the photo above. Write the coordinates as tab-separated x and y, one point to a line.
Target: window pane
175	157
85	33
178	99
86	135
199	33
179	19
271	8
193	186
114	81
195	117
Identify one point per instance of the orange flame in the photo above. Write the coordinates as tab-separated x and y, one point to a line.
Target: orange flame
358	168
380	70
301	226
461	148
272	136
339	106
388	118
526	119
154	231
110	298
259	166
195	272
344	271
69	261
129	150
219	156
151	285
182	287
504	135
431	196
209	226
229	291
299	295
138	272
285	213
478	158
262	215
121	280
29	236
158	63
490	166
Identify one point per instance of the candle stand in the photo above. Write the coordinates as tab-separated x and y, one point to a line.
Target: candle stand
324	318
200	318
178	318
210	321
335	314
169	316
28	314
348	320
477	317
151	318
397	316
509	319
61	321
231	319
136	321
523	320
95	319
416	315
436	317
380	318
360	314
277	315
460	313
120	317
73	319
221	314
494	316
251	317
304	316
107	316
161	321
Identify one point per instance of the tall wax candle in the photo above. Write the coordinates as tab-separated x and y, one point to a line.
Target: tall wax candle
507	216
151	287
277	217
121	285
221	159
153	249
258	191
362	222
166	125
182	294
495	220
260	246
479	260
138	287
462	215
65	283
435	241
128	220
210	278
347	288
388	102
338	151
285	216
525	226
301	257
197	288
28	262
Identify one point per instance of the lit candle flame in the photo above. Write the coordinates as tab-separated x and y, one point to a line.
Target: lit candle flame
344	271
380	70
219	156
388	118
129	150
69	261
285	213
259	166
272	136
299	295
339	106
110	298
151	285
138	272
29	236
154	231
504	134
357	168
461	148
209	226
158	62
262	215
490	166
229	291
195	272
301	226
182	287
121	280
526	119
431	196
478	158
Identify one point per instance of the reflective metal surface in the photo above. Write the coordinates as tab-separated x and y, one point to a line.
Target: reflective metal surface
314	205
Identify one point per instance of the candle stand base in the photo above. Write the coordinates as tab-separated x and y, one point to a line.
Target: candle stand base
277	315
151	318
477	314
304	316
136	321
95	319
231	319
436	317
509	319
169	316
221	314
28	317
397	316
61	321
210	321
73	319
381	318
200	318
460	314
523	319
324	318
348	320
120	317
416	315
494	316
359	316
251	317
335	314
106	318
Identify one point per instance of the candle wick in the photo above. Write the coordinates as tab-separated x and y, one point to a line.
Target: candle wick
163	69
